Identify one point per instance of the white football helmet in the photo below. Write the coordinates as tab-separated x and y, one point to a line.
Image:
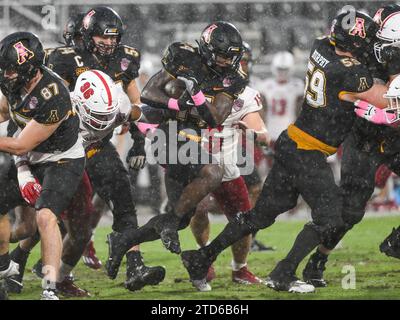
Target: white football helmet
388	33
96	99
282	65
393	97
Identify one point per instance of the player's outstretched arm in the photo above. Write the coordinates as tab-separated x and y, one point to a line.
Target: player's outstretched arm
30	137
374	96
253	121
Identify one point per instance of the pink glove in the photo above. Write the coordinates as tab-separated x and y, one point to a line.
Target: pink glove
144	127
373	114
30	191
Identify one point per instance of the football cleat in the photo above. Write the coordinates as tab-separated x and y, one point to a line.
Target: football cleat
14	283
170	240
69	289
89	257
292	285
118	245
201	285
313	272
391	245
244	276
142	276
49	294
12	270
196	264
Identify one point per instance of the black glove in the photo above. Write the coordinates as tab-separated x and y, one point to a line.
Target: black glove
185	102
191	82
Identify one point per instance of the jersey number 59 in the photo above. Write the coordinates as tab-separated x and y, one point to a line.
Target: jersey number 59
315	86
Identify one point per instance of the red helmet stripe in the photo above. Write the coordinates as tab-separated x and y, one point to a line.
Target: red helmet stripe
105	85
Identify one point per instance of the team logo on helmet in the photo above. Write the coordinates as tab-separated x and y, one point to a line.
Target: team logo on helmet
86	19
23	53
378	16
359	28
207	33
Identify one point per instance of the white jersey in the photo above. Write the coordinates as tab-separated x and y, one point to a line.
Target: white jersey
248	101
281	101
91	136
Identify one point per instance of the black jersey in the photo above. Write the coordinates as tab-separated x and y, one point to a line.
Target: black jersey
181	56
324	116
70	62
48	103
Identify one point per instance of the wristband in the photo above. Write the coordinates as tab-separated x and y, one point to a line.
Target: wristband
173	104
199	98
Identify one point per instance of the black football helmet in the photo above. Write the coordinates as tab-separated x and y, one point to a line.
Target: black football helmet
72	31
101	21
221	41
21	55
354	33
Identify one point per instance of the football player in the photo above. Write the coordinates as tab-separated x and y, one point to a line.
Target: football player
102	106
232	196
283	94
213	81
335	79
38	102
102	29
367	147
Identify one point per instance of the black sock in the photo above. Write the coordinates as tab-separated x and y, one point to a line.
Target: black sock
319	256
4	261
19	255
231	234
306	241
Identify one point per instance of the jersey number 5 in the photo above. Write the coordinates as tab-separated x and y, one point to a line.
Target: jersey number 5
315	87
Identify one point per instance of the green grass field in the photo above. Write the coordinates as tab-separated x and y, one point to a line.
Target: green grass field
377	276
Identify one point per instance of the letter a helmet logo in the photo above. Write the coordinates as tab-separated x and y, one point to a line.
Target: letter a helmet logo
358	28
23	53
